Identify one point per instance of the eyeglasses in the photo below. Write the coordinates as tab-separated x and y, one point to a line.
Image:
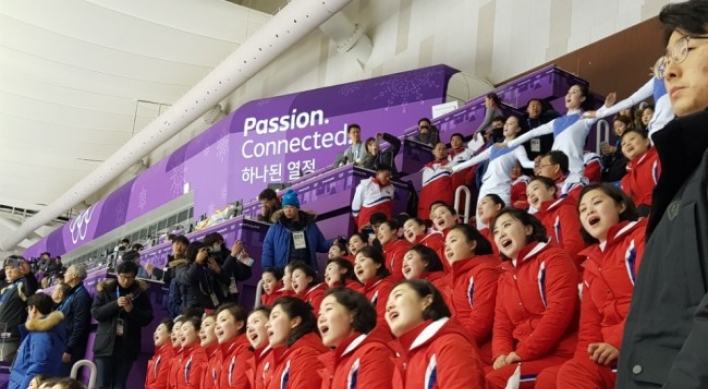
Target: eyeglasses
679	50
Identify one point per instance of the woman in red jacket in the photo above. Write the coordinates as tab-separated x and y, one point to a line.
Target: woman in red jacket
370	270
416	232
488	209
210	344
178	352
307	285
609	222
445	217
292	334
422	263
474	276
643	169
357	360
273	286
357	242
158	367
393	248
436	350
260	365
535	319
194	358
558	216
340	272
235	351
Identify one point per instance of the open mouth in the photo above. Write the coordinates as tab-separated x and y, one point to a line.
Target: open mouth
253	336
392	315
506	243
202	337
296	286
328	279
439	223
359	271
324	329
533	200
270	334
183	339
406	269
593	221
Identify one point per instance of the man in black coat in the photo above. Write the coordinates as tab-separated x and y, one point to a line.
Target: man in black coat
122	308
665	342
13	306
76	308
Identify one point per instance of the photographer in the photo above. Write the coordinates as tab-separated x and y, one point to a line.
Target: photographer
235	263
202	280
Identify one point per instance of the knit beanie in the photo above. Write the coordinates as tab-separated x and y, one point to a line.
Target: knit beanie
290	198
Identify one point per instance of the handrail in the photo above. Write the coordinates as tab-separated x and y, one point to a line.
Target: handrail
468	202
603	127
92	372
259	293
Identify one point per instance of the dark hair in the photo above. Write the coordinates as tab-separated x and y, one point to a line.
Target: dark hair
618	196
377	257
276	271
127	267
392	224
196	322
212	238
340	245
363	312
364	238
181	239
382	167
538	233
425	120
559	158
377	218
430	256
690	16
641	133
547	182
63	288
499	119
42	302
473	234
496	199
450	208
125	240
237	312
351	127
369	141
67	383
523	125
436	202
307	269
495	98
346	265
137	247
167	323
417	221
193	250
437	309
294	307
265	309
462	137
624	119
267	194
648	106
589	102
192	311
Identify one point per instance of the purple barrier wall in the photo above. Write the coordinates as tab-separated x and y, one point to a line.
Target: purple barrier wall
263	141
549	83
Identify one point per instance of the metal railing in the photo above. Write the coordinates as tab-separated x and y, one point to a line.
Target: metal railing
468	202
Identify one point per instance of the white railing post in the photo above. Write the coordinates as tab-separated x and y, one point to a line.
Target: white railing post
468	200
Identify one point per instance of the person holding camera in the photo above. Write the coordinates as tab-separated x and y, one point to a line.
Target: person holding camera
121	307
202	280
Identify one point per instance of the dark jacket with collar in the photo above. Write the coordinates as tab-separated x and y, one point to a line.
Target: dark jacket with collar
42	345
198	282
106	311
666	332
76	308
13	306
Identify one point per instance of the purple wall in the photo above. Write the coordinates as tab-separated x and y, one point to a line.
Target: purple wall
228	162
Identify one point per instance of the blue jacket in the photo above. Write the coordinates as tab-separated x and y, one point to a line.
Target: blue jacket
77	319
278	239
43	343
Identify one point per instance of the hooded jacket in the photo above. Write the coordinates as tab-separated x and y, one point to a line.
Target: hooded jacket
192	368
158	367
608	284
278	241
537	303
641	178
234	363
439	355
40	352
106	311
297	367
360	362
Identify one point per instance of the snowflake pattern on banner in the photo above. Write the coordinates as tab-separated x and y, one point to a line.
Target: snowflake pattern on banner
142	198
222	145
120	211
349	89
406	90
263	102
223	193
177	180
206	151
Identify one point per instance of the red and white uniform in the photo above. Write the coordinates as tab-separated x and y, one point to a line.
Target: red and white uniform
360	362
234	367
158	367
350	284
297	367
439	355
314	296
607	291
518	192
560	217
191	370
175	368
437	185
641	178
570	186
377	291
213	368
269	299
536	313
474	293
435	240
262	365
371	197
394	253
487	233
593	167
441	281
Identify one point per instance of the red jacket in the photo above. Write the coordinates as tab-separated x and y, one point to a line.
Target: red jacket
487	233
393	253
377	291
608	284
258	367
641	178
537	303
560	217
213	368
436	185
297	367
439	355
474	293
314	296
191	370
350	284
234	367
158	367
435	240
593	167
269	299
360	362
518	192
174	368
442	282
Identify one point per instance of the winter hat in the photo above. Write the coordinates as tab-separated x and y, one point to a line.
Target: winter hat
290	198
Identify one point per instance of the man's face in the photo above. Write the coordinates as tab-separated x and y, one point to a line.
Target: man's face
384	177
355	135
687	82
456	142
13	272
126	280
548	169
269	203
440	151
424	126
178	248
290	211
534	109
